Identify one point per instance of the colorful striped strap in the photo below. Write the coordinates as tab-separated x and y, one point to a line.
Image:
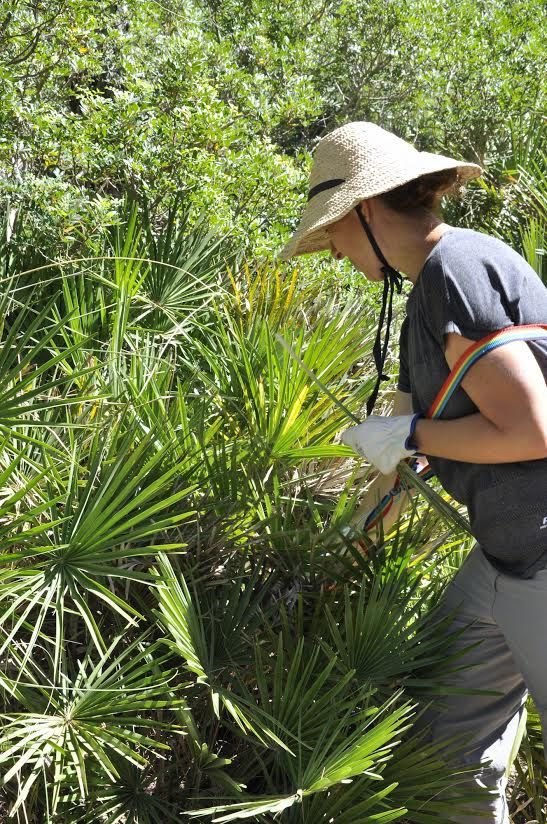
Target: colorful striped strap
379	512
461	367
476	351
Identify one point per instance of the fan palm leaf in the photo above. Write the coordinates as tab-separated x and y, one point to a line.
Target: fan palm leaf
116	494
182	617
102	709
334	760
28	381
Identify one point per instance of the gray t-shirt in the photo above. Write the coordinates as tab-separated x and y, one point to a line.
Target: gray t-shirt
474	284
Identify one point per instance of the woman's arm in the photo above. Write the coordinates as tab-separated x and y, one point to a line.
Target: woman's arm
508	387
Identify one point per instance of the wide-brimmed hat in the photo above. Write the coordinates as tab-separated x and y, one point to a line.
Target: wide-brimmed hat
355	162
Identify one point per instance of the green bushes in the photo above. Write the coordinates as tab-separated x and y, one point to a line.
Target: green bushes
183	624
223	102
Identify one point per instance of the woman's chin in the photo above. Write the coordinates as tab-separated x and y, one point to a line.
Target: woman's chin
377	277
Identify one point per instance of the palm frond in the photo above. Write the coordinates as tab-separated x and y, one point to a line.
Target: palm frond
112	500
101	710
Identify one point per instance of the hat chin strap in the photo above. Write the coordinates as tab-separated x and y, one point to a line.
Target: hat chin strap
392	280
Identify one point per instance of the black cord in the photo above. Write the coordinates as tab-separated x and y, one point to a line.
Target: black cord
393	280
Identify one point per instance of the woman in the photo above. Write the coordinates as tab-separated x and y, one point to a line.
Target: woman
372	199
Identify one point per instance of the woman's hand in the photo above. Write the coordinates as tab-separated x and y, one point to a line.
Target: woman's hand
381	485
362	440
508	388
383	440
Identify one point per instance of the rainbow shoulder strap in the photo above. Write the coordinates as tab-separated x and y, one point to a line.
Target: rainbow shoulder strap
458	372
476	351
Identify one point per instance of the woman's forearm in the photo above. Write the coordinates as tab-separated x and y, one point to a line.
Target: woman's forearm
475	439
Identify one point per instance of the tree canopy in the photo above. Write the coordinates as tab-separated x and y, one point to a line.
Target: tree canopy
223	102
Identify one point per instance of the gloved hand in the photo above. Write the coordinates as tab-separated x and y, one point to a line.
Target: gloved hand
384	440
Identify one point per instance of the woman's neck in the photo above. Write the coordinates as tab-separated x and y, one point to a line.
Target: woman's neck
408	239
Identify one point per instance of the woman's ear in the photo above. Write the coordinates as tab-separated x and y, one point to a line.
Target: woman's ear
365	208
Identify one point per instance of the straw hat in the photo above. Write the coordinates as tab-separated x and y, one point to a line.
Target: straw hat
354	162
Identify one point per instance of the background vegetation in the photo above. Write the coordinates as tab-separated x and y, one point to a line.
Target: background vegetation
184	621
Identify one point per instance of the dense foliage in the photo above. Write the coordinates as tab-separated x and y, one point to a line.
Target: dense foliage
176	576
185	623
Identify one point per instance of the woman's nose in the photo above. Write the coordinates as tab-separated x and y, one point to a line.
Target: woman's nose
334	251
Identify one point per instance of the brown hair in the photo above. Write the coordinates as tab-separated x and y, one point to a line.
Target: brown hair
424	192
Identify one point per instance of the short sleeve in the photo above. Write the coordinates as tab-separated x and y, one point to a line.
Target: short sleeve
403	382
468	294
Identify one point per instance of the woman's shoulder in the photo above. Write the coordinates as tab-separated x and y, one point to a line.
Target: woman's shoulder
463	252
480	283
471	246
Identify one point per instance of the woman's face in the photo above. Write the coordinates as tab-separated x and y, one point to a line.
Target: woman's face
348	239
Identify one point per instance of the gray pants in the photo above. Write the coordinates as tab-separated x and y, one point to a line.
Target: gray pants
510	621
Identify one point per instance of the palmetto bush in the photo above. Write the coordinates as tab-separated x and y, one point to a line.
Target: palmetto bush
186	632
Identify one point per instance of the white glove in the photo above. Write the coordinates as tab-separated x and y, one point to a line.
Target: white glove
384	440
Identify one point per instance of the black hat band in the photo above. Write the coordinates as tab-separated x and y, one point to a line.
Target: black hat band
327	184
